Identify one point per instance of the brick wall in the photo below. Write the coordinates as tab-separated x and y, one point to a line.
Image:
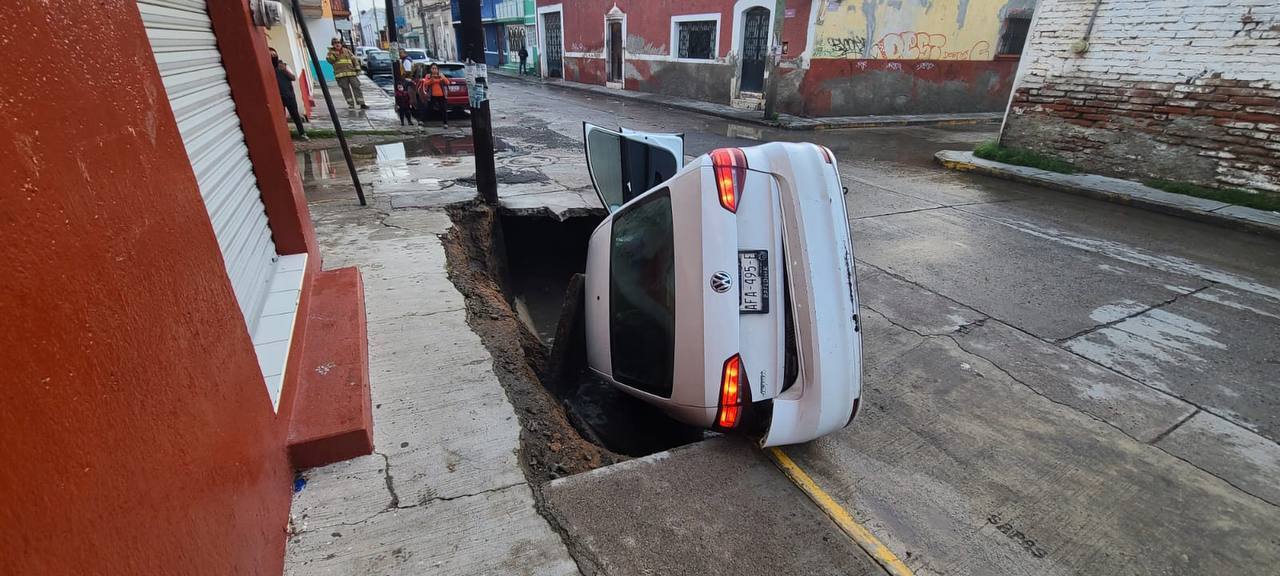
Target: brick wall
1184	90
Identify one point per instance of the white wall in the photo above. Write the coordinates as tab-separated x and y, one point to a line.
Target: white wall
1156	40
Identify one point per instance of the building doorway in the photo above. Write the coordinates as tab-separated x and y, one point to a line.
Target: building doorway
615	52
553	48
754	49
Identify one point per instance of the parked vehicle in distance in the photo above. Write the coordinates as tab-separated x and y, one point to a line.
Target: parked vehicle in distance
417	55
362	52
379	63
455	94
724	291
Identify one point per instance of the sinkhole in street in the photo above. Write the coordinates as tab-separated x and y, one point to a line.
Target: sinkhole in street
515	270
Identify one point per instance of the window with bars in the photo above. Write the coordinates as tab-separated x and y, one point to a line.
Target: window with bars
696	39
1014	36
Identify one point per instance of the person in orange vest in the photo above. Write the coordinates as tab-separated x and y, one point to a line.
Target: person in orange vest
346	70
434	86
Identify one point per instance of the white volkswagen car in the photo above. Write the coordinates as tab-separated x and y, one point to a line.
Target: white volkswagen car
723	290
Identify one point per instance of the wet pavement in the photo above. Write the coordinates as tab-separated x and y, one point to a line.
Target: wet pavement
1053	384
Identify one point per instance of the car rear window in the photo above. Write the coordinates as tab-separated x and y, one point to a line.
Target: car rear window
416	54
456	71
379	56
642	303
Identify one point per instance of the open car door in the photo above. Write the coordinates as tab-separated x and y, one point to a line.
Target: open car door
626	164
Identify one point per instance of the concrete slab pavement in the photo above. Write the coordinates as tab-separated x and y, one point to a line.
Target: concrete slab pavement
1012	276
1216	348
1058	491
1239	456
444	492
717	507
1062	377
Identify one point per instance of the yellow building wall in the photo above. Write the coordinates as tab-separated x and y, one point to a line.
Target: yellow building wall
911	29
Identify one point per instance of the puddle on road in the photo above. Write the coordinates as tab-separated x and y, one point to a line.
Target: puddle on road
424	163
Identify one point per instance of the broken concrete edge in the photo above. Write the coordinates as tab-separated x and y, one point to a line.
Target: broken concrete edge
547	212
1238	218
784	121
333	414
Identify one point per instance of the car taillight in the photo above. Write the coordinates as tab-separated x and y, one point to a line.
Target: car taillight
730	165
730	393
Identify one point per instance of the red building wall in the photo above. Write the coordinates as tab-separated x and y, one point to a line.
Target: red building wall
647	20
836	87
806	86
138	434
648	35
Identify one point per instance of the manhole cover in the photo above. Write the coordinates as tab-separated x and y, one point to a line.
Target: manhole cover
529	161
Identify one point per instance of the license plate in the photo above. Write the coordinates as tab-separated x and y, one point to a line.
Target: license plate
753	282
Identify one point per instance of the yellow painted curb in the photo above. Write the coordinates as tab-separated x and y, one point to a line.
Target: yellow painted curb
959	165
863	537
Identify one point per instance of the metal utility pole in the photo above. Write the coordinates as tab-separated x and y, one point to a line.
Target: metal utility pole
392	47
333	114
481	124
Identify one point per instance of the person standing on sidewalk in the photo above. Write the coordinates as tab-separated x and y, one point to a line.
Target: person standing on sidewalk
346	69
284	81
434	85
524	57
406	65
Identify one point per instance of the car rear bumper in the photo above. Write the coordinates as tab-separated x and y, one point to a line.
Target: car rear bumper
824	296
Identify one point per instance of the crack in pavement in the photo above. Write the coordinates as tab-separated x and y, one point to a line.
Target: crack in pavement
1057	345
424	314
386	475
1156	306
397	507
1010	376
1175	426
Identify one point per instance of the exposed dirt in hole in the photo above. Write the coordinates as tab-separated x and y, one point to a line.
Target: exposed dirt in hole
550	446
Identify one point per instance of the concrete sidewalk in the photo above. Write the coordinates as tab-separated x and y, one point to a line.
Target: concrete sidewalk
1120	191
698	509
443	492
381	114
756	117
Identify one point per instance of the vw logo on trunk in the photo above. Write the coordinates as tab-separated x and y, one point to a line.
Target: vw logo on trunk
721	282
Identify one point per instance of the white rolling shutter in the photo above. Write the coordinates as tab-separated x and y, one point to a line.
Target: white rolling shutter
186	52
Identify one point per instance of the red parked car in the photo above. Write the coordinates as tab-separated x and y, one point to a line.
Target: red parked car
455	94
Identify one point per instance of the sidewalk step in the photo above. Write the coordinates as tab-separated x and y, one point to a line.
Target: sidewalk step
332	419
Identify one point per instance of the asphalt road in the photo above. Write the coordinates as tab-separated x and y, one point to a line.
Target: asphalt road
1054	385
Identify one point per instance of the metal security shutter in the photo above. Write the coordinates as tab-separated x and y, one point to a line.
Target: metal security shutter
186	52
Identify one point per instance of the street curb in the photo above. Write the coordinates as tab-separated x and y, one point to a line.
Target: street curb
1121	191
788	122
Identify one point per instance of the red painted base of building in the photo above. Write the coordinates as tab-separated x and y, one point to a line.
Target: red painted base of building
332	416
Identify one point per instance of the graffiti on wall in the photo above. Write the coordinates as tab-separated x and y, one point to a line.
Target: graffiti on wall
926	46
916	30
910	46
850	46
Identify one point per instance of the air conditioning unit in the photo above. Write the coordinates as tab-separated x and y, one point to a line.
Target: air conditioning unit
266	13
